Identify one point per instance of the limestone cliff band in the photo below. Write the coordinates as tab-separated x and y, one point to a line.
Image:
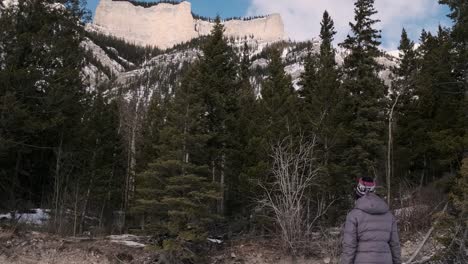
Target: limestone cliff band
165	25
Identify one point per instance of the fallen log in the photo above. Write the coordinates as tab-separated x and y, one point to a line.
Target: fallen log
426	237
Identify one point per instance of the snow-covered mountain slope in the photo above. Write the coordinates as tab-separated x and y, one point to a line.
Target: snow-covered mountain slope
163	71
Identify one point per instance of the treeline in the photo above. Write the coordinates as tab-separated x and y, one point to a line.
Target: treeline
149	4
133	53
209	19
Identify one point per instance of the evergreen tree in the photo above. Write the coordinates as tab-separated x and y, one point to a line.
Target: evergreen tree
403	88
175	194
101	178
459	35
365	94
323	105
150	136
217	80
278	102
243	156
439	114
42	95
321	88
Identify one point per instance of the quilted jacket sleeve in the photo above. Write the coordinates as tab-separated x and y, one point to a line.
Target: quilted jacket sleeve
395	243
349	242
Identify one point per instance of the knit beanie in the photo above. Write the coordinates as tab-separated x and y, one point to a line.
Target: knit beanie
365	185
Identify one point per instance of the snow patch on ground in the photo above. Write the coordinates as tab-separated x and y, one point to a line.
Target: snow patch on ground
32	217
129	243
127	240
216	241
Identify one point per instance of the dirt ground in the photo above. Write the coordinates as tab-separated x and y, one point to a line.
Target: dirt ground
29	247
42	248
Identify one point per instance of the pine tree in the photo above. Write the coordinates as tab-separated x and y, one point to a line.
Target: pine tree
323	105
321	87
404	90
440	106
175	194
459	35
150	136
278	102
217	81
42	95
243	155
99	184
365	93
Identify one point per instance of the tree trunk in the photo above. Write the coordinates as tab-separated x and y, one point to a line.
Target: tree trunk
75	217
108	197
222	183
88	191
423	174
130	181
390	150
213	171
14	182
57	179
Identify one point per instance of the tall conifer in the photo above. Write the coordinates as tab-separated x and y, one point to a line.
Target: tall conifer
365	94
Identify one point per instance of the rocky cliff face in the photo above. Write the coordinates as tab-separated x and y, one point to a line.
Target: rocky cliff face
165	25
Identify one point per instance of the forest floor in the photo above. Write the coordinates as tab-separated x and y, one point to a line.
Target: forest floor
30	247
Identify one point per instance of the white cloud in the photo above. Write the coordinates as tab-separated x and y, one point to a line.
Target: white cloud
302	17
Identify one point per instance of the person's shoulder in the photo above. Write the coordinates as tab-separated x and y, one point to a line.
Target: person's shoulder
354	213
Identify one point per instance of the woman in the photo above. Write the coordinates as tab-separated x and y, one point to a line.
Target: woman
370	232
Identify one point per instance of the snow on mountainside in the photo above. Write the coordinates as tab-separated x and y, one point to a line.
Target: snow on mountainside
166	68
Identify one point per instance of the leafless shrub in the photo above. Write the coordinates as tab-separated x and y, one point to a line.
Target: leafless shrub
293	172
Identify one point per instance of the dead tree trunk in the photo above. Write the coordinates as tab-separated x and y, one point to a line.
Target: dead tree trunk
390	150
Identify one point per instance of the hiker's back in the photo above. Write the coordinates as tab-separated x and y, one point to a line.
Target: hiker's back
371	232
374	233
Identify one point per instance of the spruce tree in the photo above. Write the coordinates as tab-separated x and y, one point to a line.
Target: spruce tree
278	101
403	89
323	105
217	74
365	94
42	94
101	178
321	87
175	195
150	135
459	35
244	153
440	107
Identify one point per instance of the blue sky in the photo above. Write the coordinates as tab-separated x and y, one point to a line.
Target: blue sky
302	17
208	8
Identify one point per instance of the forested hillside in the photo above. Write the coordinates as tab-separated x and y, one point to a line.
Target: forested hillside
225	138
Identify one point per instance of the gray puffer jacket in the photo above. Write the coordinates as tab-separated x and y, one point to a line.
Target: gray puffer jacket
371	234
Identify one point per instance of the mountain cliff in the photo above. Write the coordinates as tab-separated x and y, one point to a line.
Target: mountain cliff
164	25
